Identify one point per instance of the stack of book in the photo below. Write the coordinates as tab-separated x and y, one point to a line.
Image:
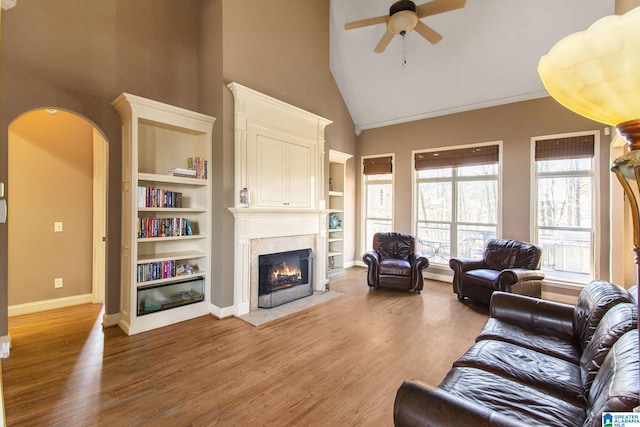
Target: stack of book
162	270
199	165
158	198
196	168
187	173
163	227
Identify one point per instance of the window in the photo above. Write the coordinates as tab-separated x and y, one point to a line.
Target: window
457	201
565	206
377	176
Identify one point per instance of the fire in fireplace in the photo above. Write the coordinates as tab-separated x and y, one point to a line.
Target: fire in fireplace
284	277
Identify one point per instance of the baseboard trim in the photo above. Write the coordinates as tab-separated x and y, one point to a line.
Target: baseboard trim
109	320
221	313
38	306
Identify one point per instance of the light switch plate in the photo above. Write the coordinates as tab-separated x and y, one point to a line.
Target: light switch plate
57	227
3	211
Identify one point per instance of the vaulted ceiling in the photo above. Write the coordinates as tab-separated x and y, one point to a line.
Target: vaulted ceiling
488	56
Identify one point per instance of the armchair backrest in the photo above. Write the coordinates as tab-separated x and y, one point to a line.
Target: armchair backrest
503	254
394	245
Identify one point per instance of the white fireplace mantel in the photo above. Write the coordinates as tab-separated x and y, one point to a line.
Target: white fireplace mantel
279	158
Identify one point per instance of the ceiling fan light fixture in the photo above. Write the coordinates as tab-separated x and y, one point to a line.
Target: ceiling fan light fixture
404	20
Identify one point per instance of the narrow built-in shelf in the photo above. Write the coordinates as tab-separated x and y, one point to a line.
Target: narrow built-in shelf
166	239
336	193
152	177
189	210
331	240
170	256
334	254
334	230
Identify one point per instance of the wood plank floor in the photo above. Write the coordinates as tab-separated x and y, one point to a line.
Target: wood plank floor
336	364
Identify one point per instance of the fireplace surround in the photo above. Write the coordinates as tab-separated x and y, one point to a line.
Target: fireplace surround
280	159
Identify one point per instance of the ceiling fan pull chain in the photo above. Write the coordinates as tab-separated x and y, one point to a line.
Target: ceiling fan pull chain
404	49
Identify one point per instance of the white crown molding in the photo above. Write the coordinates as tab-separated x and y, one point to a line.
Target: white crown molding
8	4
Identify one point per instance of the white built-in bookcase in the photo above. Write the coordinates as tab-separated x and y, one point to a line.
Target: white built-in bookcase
157	138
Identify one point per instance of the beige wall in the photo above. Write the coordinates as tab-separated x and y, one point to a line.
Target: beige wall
514	125
50	176
79	56
58	54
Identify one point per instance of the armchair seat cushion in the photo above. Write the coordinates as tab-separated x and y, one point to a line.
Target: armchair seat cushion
482	277
395	267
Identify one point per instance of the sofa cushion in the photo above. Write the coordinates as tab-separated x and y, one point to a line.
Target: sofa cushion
615	323
615	387
529	405
541	371
557	346
594	301
395	267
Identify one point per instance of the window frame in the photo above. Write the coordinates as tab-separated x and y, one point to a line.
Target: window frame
364	245
596	220
455	179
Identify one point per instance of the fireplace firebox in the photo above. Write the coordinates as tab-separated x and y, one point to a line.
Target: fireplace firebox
284	277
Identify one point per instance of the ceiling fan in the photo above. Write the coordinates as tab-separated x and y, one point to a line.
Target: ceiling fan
405	16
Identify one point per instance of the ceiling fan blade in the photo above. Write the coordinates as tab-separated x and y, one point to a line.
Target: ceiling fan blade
366	22
384	42
427	32
438	6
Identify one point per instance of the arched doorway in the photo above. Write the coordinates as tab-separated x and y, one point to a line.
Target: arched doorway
57	167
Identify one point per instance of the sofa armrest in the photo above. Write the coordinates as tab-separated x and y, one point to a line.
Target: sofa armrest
529	312
417	404
511	276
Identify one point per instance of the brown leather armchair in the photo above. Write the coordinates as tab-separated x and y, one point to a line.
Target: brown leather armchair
506	265
393	262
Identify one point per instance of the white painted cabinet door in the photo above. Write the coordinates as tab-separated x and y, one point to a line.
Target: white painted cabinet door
284	172
299	176
270	186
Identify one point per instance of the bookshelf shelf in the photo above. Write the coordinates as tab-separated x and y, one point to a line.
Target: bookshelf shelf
156	139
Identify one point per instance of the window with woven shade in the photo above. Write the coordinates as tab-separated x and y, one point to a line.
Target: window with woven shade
564	210
457	205
377	206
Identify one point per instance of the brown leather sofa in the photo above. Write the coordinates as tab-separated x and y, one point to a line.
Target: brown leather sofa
506	265
393	263
538	363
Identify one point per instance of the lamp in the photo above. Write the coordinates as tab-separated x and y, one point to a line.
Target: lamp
596	73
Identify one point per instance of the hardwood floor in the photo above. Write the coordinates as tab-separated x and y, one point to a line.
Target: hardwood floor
336	364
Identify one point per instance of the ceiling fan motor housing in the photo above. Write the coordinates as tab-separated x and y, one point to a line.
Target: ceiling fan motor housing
402	5
403	17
